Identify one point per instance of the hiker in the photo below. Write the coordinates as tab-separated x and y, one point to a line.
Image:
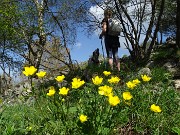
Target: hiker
111	41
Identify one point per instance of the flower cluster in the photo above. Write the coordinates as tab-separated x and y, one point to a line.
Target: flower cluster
108	91
76	83
134	83
31	70
103	90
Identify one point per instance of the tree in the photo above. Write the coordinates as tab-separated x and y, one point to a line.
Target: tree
9	45
134	26
168	21
178	24
38	22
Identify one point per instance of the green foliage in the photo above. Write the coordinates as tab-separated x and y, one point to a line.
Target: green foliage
168	22
59	114
165	52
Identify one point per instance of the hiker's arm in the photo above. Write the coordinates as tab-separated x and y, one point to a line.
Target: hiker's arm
104	28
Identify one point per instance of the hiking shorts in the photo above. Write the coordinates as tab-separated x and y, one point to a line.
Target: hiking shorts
112	52
112	44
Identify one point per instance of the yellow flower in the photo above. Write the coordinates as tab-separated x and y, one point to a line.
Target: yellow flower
114	80
136	81
130	85
60	78
51	91
41	74
76	83
63	91
83	118
106	73
114	100
105	90
145	78
97	80
155	108
28	71
127	95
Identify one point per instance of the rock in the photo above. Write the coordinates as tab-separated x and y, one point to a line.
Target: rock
144	71
169	64
150	64
177	84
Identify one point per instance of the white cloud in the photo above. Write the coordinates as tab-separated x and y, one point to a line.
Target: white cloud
78	45
97	11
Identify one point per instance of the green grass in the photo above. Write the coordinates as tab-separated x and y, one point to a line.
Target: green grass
59	115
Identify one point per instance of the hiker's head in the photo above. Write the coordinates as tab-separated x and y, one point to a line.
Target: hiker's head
108	13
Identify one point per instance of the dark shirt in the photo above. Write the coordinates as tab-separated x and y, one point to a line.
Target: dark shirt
110	41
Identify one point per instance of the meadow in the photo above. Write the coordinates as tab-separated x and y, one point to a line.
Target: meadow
110	103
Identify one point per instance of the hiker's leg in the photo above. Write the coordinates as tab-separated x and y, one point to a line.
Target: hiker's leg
110	58
109	54
116	59
111	63
118	65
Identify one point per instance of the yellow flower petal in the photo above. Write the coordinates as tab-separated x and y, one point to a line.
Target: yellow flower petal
136	81
51	91
97	80
41	74
76	83
114	100
83	118
145	78
106	73
63	91
130	85
114	80
28	71
105	90
60	78
155	108
127	95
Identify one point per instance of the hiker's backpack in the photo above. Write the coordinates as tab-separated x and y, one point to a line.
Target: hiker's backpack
114	27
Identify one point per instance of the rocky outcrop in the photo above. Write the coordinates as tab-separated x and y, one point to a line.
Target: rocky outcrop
167	56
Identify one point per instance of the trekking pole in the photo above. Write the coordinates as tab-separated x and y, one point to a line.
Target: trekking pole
103	52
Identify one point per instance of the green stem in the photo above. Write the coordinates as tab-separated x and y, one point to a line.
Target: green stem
54	100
